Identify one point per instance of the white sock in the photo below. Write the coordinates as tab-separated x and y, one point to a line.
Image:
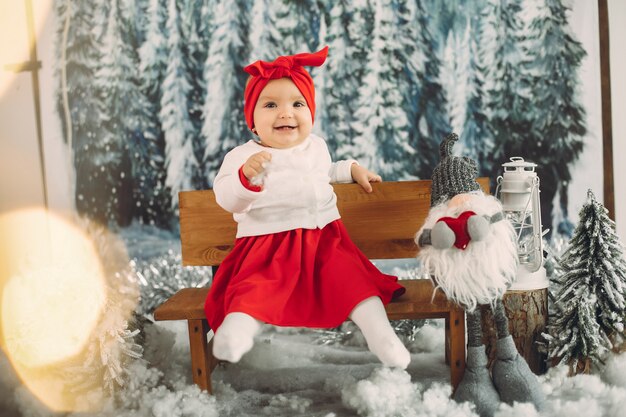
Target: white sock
370	316
235	336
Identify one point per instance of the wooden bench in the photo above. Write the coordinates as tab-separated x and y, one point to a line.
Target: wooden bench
382	224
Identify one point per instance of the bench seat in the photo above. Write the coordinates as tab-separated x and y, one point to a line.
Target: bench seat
415	303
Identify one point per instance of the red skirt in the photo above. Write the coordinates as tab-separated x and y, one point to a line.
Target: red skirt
302	277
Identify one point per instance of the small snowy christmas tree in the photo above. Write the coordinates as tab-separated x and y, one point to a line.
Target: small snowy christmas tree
590	300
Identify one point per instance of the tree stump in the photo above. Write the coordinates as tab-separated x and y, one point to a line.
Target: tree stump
527	312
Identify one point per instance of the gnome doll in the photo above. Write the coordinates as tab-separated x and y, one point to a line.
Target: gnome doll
469	250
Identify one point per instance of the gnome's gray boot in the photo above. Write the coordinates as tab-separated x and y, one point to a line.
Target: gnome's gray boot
513	378
476	386
511	375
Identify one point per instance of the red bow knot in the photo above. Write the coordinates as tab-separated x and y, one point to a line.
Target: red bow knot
459	227
291	66
282	67
279	68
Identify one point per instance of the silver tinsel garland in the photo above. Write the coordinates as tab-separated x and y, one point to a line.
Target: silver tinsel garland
347	333
162	276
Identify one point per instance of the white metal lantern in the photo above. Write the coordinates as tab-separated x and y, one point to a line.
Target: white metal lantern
519	193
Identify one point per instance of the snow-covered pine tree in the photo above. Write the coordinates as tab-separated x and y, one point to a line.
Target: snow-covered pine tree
450	16
558	118
264	32
595	250
476	135
258	34
224	123
149	165
181	163
101	10
532	96
78	58
360	26
413	55
196	23
153	52
431	124
507	89
140	121
381	125
455	79
348	39
117	94
320	75
592	288
575	338
297	25
136	19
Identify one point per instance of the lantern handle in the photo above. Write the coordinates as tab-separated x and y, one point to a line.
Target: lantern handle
499	182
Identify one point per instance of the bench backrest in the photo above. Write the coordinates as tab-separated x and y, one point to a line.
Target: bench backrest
382	223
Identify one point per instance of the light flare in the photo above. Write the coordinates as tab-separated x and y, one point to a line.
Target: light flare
52	295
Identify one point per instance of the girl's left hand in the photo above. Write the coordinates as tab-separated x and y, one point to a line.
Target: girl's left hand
364	176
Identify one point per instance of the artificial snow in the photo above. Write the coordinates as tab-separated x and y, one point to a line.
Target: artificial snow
615	371
290	373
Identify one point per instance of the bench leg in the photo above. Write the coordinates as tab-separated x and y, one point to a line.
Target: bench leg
202	360
447	340
455	345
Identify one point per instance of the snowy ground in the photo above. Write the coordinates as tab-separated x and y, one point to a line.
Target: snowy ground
288	374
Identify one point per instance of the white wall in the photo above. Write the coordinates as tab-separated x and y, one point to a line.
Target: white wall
587	170
21	180
20	172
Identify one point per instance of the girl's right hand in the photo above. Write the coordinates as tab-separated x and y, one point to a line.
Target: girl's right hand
255	164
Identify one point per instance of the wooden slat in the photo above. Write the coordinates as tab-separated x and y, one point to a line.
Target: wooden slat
382	223
207	231
188	303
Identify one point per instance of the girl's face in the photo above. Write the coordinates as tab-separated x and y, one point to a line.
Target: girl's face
282	118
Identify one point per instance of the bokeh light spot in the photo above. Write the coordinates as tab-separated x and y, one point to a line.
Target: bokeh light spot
52	295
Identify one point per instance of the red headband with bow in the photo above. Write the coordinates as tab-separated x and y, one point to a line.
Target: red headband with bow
291	66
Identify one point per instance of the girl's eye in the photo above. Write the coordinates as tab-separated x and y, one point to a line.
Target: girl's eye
299	104
270	105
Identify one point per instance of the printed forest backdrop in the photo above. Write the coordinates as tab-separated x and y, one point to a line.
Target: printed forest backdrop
150	91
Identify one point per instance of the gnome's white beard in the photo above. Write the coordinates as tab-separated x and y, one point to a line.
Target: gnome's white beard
482	272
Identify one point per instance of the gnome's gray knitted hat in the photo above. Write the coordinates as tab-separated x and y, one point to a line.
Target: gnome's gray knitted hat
453	175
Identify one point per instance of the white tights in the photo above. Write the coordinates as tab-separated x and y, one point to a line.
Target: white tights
235	336
370	316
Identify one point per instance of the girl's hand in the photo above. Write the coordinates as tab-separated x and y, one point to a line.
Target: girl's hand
363	177
255	164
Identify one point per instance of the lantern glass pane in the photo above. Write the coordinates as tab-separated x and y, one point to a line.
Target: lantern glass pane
523	225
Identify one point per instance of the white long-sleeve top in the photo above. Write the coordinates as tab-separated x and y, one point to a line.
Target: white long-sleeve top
296	189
